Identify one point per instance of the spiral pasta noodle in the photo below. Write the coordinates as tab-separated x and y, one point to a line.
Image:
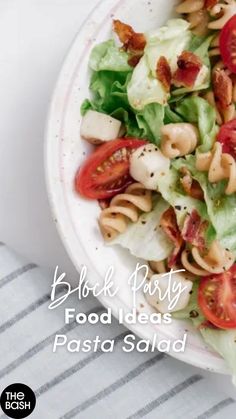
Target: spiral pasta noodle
123	209
197	15
178	139
219	165
222	12
222	115
216	261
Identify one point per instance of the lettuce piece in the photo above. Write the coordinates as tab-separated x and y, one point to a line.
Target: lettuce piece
144	124
143	88
145	239
168	41
109	92
221	208
171	190
222	211
107	56
108	85
198	111
171	117
150	121
222	341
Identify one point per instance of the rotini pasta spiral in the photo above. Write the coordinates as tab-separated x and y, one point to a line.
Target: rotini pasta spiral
178	139
223	115
124	208
197	15
219	165
216	261
222	12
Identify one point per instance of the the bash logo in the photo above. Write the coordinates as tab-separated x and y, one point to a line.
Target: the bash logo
17	401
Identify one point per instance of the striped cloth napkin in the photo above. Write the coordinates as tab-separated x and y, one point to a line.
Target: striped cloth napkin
93	385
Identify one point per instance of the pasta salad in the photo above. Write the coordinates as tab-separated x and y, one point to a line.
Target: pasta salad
162	118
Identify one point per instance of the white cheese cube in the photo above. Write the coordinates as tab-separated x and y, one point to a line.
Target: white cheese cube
175	287
148	164
98	127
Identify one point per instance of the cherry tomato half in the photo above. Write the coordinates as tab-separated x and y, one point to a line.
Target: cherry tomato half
106	171
227	137
228	44
217	299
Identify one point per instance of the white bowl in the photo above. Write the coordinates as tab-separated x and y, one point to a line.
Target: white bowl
77	218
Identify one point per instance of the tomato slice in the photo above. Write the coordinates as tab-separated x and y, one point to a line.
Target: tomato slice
217	299
228	44
227	137
106	172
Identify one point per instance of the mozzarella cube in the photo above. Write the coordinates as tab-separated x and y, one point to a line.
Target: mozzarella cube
175	287
148	164
98	127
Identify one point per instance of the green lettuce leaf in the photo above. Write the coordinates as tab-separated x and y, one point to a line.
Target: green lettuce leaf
223	342
108	86
107	56
222	211
150	121
171	117
171	190
198	111
108	90
110	96
169	41
221	208
145	239
144	124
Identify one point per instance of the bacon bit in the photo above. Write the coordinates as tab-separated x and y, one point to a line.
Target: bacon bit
163	73
134	60
170	227
193	230
189	66
209	4
191	186
131	40
223	88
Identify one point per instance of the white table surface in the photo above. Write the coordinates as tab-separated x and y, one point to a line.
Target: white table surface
34	38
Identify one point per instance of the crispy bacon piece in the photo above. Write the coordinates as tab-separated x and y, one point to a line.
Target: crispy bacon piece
194	229
170	227
190	185
163	73
131	40
189	66
209	4
223	88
